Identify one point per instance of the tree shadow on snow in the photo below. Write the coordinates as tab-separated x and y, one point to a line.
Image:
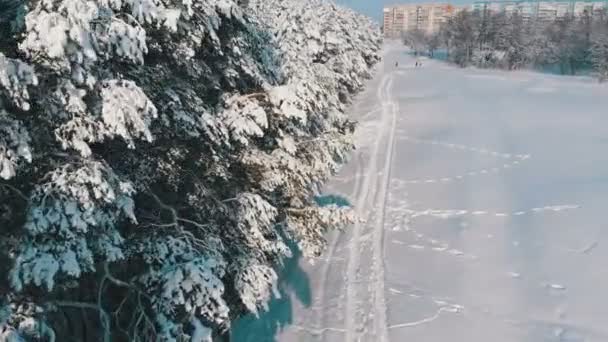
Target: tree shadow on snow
293	284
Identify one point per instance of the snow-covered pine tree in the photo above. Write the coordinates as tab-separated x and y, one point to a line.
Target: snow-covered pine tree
328	53
155	155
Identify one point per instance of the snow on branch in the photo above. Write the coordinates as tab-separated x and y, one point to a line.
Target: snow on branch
244	119
256	219
59	32
72	220
256	283
15	77
14	145
309	226
124	111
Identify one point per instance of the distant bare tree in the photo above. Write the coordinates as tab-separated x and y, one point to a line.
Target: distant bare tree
514	42
433	42
416	40
599	57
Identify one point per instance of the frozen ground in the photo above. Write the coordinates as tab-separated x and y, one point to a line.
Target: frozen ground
485	196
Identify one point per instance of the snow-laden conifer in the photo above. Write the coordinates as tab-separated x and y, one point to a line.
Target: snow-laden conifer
157	155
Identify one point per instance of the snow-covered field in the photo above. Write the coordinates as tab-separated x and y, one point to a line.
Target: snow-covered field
484	195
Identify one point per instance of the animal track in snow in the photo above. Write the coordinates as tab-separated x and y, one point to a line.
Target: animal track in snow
513	161
444	306
451	213
558	287
416	246
427	243
477	150
514	275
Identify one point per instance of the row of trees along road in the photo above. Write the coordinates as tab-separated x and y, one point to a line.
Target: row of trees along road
159	158
510	42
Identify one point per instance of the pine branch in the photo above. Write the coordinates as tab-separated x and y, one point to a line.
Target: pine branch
105	320
15	190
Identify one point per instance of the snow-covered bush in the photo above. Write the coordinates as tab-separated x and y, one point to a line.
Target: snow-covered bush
156	155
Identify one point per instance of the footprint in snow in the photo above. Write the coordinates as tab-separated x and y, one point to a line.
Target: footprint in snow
555	287
514	275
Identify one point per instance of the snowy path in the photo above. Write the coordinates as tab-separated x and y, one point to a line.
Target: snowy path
364	200
483	195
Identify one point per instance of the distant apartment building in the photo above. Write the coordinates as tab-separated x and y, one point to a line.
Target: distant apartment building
425	17
429	17
542	10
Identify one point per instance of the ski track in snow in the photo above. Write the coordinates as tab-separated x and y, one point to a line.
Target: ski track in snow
352	327
321	316
380	320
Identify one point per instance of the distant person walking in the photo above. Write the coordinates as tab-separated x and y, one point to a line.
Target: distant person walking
396	64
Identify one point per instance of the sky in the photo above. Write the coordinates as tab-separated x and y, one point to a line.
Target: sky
373	8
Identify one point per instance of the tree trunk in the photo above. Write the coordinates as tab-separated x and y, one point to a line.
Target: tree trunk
572	67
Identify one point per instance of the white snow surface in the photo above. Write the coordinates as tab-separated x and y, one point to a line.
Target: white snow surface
434	261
